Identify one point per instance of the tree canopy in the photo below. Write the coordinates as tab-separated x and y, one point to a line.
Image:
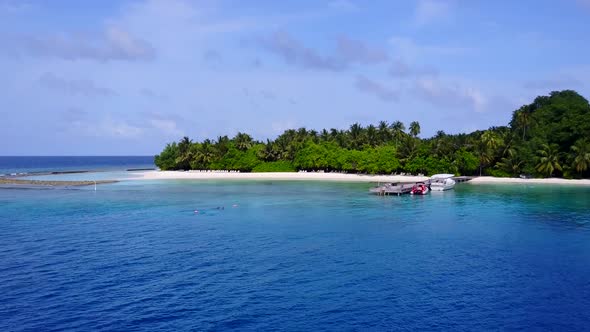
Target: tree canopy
549	137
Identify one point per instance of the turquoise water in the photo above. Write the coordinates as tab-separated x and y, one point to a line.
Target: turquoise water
293	256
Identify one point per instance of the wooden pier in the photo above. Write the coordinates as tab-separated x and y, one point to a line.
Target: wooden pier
402	188
394	188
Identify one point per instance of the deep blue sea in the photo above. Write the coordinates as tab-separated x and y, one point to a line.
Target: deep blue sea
23	164
298	256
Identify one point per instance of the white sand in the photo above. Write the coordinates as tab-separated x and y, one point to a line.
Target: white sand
172	175
493	180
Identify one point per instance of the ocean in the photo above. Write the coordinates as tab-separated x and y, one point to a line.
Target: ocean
254	256
23	164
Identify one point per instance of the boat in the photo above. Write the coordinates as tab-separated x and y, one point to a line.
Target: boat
419	189
442	182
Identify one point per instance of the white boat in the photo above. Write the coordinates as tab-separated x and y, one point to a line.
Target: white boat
442	182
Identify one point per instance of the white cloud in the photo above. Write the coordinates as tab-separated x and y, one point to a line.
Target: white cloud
112	44
381	91
74	86
408	48
347	52
449	94
166	126
109	127
401	69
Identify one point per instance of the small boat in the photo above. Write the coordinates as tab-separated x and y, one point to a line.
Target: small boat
419	189
442	182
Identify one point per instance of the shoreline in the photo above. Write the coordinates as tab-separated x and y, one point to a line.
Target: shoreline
339	177
548	181
277	176
150	175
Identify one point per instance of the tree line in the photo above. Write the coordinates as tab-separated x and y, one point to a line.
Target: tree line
549	137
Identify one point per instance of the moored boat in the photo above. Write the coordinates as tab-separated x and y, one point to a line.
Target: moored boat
419	189
442	182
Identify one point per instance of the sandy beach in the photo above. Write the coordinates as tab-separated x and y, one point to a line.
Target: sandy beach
172	175
339	177
556	181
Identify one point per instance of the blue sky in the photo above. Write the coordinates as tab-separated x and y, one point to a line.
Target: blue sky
125	77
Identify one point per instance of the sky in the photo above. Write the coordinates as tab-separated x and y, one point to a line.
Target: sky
126	77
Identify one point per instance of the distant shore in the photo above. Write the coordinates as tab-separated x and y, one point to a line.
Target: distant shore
338	177
57	183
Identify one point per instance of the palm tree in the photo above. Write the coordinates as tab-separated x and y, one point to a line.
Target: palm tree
221	146
184	153
324	135
491	140
355	131
383	131
581	158
397	129
243	141
372	135
407	150
549	159
523	118
511	163
184	144
414	128
485	148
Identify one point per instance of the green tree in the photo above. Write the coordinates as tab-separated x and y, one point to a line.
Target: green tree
523	119
581	156
415	128
372	138
548	159
485	148
397	131
511	164
184	153
356	135
166	160
383	132
465	162
243	141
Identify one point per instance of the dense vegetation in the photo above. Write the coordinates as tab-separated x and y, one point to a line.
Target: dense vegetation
549	137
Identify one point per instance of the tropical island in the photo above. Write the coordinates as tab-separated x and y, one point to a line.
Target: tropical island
547	138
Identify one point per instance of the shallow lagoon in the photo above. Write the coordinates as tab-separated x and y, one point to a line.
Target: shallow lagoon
293	255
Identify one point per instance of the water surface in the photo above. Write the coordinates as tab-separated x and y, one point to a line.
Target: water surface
293	256
29	164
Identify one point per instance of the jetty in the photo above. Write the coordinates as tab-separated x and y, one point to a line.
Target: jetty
393	189
402	188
